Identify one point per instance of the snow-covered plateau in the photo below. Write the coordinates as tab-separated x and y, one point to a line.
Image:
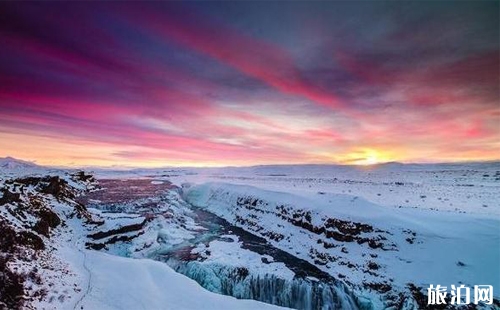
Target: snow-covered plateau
303	237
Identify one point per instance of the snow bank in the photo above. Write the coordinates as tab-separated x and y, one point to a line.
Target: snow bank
124	283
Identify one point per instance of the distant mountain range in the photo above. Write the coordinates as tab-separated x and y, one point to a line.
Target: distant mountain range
13	163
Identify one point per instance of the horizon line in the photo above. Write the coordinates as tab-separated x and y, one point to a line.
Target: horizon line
251	165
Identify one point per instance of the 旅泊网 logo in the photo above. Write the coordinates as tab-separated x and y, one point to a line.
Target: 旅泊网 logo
460	295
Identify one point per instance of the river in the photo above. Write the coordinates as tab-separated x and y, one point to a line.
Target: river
310	288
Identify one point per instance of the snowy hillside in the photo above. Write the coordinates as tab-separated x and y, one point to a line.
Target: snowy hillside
12	163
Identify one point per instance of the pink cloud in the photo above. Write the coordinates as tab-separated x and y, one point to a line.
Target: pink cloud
257	58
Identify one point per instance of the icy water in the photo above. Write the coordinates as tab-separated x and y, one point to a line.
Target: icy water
217	227
310	289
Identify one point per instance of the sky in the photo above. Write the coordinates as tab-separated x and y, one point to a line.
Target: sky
207	83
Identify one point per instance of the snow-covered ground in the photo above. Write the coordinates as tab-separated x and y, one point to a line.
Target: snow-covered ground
115	282
45	263
374	230
416	246
468	187
432	224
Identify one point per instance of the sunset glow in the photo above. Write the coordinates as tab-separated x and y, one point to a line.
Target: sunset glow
243	83
370	159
